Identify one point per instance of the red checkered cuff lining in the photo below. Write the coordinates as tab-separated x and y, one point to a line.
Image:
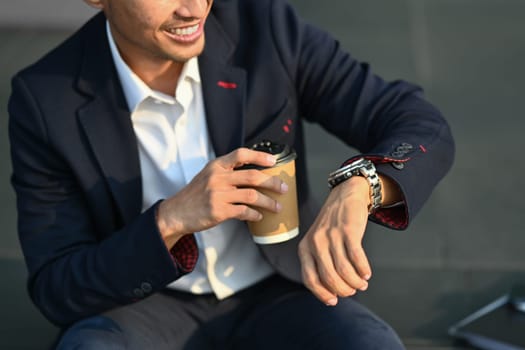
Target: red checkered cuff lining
376	159
395	217
185	253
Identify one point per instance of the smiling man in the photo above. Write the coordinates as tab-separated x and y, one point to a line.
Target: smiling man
126	142
156	38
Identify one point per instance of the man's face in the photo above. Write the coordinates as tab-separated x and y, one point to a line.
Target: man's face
158	29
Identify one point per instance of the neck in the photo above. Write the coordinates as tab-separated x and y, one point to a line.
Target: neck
161	74
159	77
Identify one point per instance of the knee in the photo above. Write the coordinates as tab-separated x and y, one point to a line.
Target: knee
370	336
359	328
373	333
93	334
381	338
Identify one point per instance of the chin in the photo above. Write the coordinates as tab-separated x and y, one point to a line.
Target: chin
185	54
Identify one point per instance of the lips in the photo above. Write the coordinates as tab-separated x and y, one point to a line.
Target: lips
187	34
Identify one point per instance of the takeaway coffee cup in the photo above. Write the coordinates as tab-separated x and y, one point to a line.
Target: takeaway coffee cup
282	226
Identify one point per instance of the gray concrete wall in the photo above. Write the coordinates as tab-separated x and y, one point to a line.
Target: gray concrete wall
43	14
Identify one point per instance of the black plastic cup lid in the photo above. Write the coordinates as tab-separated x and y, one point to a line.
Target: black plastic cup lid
283	152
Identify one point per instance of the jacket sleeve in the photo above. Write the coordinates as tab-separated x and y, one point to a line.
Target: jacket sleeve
75	271
390	123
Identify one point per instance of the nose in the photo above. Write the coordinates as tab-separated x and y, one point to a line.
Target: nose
190	9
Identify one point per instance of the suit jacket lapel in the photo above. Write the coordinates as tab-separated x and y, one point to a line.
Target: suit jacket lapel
106	118
107	123
224	88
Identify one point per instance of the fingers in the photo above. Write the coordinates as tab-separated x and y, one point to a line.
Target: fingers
311	279
250	177
240	203
256	178
254	198
334	263
347	268
244	156
327	270
359	261
244	212
351	246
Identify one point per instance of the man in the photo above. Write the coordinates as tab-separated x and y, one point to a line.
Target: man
125	142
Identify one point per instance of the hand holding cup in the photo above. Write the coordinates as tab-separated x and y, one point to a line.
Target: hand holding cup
275	227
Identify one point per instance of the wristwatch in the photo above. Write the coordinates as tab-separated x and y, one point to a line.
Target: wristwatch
360	167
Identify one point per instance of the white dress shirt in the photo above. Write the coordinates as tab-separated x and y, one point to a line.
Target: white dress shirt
173	147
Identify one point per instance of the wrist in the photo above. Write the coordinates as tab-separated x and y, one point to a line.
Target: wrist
360	168
167	229
391	192
356	187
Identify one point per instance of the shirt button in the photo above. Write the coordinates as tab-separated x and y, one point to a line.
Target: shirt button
138	293
398	165
146	287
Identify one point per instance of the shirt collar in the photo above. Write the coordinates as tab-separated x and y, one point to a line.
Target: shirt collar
135	90
191	70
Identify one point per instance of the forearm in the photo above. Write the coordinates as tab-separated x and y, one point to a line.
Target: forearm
92	277
390	191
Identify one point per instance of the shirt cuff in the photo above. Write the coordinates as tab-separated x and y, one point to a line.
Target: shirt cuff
185	253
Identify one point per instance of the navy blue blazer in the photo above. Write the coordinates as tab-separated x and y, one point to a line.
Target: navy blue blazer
75	160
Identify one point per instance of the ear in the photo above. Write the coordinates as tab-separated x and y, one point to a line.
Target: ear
98	4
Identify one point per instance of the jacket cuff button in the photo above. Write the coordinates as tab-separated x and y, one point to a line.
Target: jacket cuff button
398	165
146	287
138	293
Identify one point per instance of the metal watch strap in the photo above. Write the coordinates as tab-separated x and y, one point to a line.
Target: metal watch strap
360	167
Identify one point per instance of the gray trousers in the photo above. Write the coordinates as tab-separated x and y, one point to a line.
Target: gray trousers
274	314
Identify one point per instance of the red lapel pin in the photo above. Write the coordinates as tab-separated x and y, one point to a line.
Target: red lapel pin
226	85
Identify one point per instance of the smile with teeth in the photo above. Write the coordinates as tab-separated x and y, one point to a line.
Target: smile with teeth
184	31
